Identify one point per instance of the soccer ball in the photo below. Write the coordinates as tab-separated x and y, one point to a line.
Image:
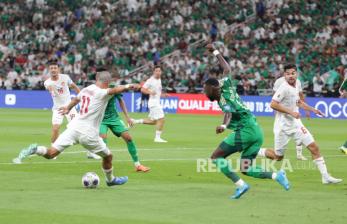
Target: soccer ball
90	180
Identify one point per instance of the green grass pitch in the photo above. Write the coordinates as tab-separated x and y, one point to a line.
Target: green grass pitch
42	191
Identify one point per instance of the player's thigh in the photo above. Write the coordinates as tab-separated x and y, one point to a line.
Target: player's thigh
71	115
57	118
252	140
231	144
66	139
118	127
94	144
281	142
156	113
303	136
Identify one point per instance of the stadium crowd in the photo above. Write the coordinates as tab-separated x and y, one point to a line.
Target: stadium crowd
124	35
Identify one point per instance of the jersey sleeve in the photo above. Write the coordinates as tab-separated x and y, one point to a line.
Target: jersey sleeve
279	94
299	85
118	96
225	82
276	85
147	84
46	84
68	80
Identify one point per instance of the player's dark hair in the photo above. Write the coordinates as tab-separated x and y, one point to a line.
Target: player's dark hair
212	82
53	62
156	66
289	66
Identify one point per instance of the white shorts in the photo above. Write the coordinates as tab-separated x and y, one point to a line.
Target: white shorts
156	113
70	137
300	136
58	118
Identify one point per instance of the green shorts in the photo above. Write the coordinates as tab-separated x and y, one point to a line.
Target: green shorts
117	127
246	140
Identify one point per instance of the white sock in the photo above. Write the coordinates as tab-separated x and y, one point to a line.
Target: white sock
139	121
274	176
157	134
321	166
299	150
109	174
262	152
137	163
41	150
240	183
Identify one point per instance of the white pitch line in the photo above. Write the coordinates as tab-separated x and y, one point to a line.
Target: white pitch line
126	150
145	160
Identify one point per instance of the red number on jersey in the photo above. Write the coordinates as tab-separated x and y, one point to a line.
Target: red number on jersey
304	131
85	104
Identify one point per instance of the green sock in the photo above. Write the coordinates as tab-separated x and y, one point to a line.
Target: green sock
258	172
345	145
224	166
133	151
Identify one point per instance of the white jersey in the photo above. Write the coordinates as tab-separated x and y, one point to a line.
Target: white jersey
154	85
281	80
287	96
93	105
59	90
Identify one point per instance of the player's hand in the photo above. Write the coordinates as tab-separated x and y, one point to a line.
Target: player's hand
295	115
130	122
210	47
152	92
63	110
319	113
134	86
307	114
220	129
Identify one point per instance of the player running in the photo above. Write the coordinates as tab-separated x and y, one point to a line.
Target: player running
286	101
113	121
153	88
84	129
247	137
59	87
277	84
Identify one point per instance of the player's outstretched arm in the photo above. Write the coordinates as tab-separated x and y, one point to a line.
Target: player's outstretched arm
66	109
120	89
278	107
226	121
225	65
307	107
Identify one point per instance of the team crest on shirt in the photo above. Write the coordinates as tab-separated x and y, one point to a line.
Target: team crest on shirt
62	83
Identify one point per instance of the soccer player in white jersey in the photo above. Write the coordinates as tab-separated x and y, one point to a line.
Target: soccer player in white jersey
286	101
156	116
59	87
277	84
84	129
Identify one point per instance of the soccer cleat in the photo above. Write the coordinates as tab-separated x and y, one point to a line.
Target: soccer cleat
301	157
282	179
142	168
93	156
330	180
343	150
25	153
240	191
117	181
160	140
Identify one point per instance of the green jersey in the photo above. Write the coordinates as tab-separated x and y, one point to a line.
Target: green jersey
111	110
231	102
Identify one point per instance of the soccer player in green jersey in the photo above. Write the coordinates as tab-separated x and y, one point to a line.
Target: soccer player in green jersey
247	137
343	94
113	121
